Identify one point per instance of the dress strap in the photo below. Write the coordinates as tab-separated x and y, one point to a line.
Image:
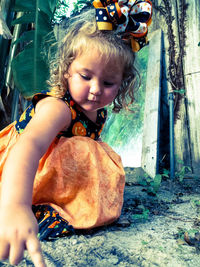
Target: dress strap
39	96
27	115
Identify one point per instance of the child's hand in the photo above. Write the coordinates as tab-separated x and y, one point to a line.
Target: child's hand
18	231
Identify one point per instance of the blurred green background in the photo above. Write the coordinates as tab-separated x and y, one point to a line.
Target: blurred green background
123	131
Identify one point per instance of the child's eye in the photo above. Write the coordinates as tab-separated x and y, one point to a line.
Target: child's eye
85	77
108	84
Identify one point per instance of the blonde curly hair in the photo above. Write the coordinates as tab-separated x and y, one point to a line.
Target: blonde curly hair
78	35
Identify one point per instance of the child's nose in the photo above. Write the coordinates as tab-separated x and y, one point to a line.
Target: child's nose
95	88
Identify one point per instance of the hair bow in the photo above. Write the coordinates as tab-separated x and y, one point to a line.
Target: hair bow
131	18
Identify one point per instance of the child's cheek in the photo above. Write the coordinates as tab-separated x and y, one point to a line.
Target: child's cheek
110	95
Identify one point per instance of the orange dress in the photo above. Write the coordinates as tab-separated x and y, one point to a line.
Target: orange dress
80	177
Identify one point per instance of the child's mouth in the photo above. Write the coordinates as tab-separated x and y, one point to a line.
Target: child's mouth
93	99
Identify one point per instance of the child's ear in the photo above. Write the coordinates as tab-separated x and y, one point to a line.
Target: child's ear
66	75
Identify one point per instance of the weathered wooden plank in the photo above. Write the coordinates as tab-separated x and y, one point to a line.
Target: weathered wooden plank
181	135
182	138
150	147
192	79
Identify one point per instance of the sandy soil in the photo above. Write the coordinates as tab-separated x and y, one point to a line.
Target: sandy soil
153	230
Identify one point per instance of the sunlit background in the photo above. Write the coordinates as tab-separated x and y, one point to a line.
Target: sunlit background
124	131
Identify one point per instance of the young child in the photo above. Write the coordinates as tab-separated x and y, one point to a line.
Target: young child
52	157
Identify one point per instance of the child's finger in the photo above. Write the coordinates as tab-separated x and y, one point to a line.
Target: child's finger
4	250
34	250
16	252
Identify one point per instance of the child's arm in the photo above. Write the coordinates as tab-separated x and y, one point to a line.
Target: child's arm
18	226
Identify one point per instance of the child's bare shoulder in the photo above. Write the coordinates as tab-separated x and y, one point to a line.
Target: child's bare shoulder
51	102
51	116
53	109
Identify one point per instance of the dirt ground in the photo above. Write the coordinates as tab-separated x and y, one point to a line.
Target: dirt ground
161	229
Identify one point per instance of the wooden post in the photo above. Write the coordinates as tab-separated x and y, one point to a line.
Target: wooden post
182	136
192	79
150	146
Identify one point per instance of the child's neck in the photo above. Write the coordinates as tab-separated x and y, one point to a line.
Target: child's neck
91	115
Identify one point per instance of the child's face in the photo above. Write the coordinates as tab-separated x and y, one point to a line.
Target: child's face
92	83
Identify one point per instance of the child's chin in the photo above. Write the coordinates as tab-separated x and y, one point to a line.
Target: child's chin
93	106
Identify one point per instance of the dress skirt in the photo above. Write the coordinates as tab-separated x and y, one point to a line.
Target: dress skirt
82	179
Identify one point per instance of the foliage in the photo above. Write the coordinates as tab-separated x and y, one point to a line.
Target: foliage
181	91
61	12
183	170
30	70
80	5
165	173
179	175
68	8
30	67
151	185
143	216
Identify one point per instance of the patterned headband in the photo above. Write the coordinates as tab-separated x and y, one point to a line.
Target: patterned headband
131	18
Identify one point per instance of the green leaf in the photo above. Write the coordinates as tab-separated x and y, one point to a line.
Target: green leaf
43	24
30	70
43	21
179	161
144	216
181	91
165	175
48	7
22	66
81	2
165	171
23	6
26	18
187	168
26	37
156	182
36	48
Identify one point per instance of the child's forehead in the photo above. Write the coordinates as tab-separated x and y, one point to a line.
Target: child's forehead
94	56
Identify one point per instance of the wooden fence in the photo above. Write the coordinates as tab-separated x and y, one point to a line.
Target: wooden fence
185	26
192	81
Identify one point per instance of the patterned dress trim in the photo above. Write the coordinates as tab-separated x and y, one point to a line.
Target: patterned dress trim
27	115
51	224
81	125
